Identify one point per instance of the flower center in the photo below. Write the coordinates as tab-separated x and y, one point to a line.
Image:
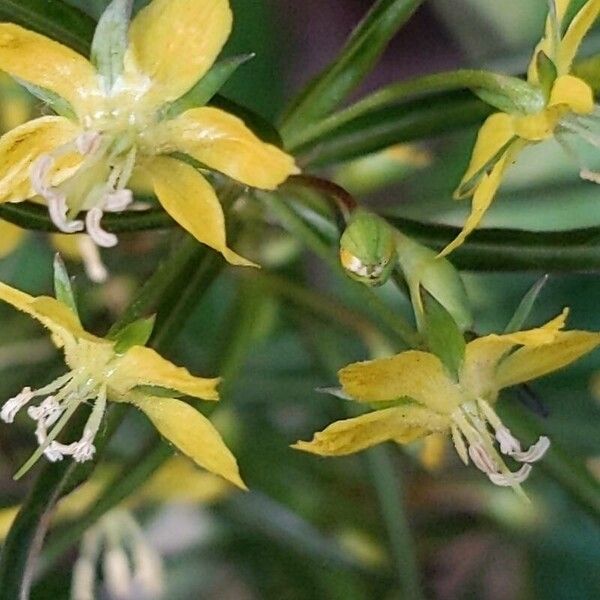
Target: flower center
61	398
99	184
472	435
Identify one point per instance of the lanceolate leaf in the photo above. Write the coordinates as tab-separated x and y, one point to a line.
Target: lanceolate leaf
63	289
526	306
355	61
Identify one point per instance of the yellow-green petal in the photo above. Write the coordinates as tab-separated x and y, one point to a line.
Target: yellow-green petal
575	33
483	354
192	434
574	93
223	142
492	138
484	196
23	145
10	238
46	63
144	366
192	202
399	424
175	42
413	374
529	363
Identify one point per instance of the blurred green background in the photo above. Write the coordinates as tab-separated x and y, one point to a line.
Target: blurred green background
313	528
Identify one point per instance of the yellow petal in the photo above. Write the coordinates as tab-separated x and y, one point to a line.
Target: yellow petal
483	355
46	63
433	452
539	126
175	42
20	147
63	324
223	142
529	363
573	93
358	433
574	35
494	135
10	237
413	374
180	480
192	202
191	433
144	366
484	196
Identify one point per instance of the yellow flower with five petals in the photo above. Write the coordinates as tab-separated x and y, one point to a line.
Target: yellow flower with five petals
568	102
111	126
102	370
415	396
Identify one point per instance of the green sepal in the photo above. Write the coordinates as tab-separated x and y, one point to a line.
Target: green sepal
444	337
370	241
207	87
63	290
525	307
110	40
512	96
135	334
57	103
547	73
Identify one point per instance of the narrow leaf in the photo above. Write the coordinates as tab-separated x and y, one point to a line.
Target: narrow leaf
110	40
355	61
443	335
208	86
135	334
58	104
525	306
63	290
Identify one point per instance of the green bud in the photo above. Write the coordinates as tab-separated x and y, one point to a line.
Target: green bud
437	276
368	248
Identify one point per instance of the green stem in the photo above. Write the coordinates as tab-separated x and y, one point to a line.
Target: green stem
35	217
502	85
389	488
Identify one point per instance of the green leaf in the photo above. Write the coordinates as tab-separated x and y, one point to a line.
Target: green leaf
110	40
526	306
58	104
444	337
547	73
392	125
63	290
207	87
355	61
52	18
135	334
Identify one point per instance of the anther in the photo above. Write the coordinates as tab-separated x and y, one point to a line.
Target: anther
482	460
13	405
503	480
57	209
95	231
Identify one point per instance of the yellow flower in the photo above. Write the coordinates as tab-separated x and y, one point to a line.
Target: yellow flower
416	396
114	125
101	370
568	103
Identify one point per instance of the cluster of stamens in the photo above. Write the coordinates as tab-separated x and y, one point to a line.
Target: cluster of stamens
473	423
61	399
98	185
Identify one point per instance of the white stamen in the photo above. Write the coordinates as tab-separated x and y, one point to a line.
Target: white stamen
38	173
13	405
589	175
95	231
148	569
84	450
534	453
117	574
514	478
482	460
509	445
92	261
88	142
84	574
118	201
57	209
47	410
